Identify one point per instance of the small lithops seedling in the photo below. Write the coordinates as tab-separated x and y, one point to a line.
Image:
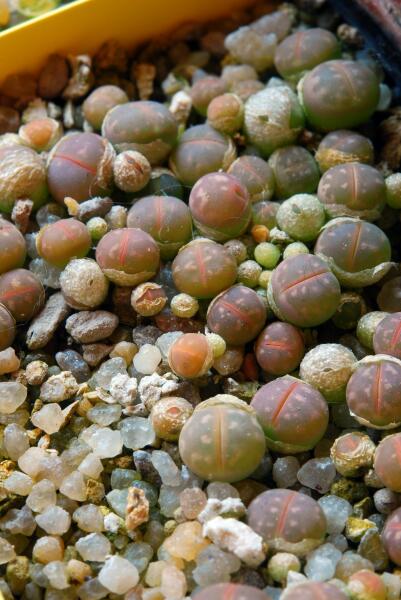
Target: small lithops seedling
220	206
203	269
351	308
344	146
100	101
288	521
295	171
301	217
169	416
339	94
374	392
302	51
353	453
166	218
128	256
59	242
328	367
389	297
313	590
353	190
223	440
41	134
205	90
358	252
148	299
293	414
388	461
367	326
22	294
201	150
256	175
80	166
303	291
7	328
238	315
366	585
12	247
225	113
279	348
264	213
190	355
391	537
22	175
231	591
387	336
145	126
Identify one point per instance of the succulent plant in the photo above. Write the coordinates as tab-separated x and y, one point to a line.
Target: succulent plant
204	90
169	416
7	328
295	171
388	461
22	175
12	247
59	242
353	453
100	101
265	213
386	338
314	590
343	146
391	538
279	348
225	113
256	175
21	293
190	355
301	217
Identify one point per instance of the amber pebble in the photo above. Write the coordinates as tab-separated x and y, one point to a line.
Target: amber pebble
21	293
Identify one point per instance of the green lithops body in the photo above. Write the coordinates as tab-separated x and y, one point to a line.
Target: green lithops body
358	252
273	118
7	328
222	440
343	146
295	171
338	94
393	190
301	216
367	326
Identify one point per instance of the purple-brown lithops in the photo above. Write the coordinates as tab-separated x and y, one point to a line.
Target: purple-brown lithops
7	328
388	461
256	175
21	293
343	146
12	247
279	348
391	536
387	336
59	242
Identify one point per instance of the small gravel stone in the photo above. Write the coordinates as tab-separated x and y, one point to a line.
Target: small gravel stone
59	387
12	395
317	474
285	471
147	359
118	575
9	361
87	327
236	537
336	510
321	563
54	520
50	418
44	325
70	360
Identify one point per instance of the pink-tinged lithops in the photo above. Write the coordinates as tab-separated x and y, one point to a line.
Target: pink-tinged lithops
353	190
288	521
367	585
338	94
204	90
203	269
225	113
343	146
190	355
273	118
201	150
357	252
256	175
388	461
304	50
374	392
313	590
21	293
128	256
387	336
303	291
238	315
279	348
367	326
22	175
222	440
230	591
58	242
220	206
295	171
265	213
145	126
293	414
7	328
100	101
12	247
166	218
391	536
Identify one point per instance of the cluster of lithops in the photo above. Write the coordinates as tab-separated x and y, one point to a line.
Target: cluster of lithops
200	319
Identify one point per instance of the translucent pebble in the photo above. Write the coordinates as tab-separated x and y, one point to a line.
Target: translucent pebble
94	547
169	499
154	534
104	414
56	572
166	467
220	490
147	359
12	395
7	551
317	474
47	549
393	585
109	369
92	590
42	496
338	540
137	432
139	554
214	566
186	541
73	486
18	483
173	583
15	440
118	575
336	510
165	341
106	442
91	466
321	563
30	461
89	518
123	478
54	520
17	521
285	471
49	418
192	502
117	499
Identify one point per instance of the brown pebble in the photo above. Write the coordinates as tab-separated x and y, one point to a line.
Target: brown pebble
137	511
87	327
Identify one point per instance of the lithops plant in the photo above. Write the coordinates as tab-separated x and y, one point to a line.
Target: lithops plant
222	440
288	521
22	175
353	453
388	461
169	416
359	253
374	392
59	242
328	367
279	348
256	175
303	291
301	217
338	94
367	326
21	293
366	585
225	113
237	315
313	590
12	247
391	537
351	308
265	213
190	355
293	414
7	328
386	338
343	146
353	190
